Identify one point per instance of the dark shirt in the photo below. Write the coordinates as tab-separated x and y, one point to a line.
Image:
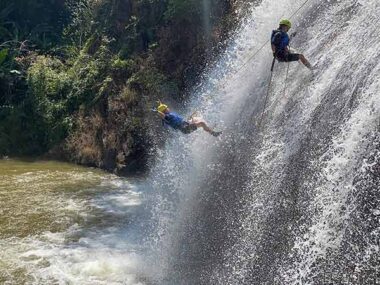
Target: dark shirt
280	40
173	120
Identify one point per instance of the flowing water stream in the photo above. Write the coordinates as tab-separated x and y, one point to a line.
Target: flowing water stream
63	224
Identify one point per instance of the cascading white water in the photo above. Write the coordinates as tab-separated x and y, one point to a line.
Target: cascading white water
284	204
294	202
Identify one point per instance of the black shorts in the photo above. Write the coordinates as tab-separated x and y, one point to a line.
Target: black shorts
187	128
288	57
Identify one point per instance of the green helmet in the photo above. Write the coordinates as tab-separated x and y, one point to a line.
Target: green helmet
286	22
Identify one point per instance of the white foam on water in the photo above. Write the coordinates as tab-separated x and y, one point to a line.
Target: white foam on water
340	166
100	245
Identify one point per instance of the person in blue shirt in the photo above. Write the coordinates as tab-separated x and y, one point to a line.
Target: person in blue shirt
280	45
175	121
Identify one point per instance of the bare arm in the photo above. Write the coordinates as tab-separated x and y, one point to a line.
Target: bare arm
162	115
193	114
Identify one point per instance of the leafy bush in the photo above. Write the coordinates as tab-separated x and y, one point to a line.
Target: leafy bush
3	55
49	85
82	21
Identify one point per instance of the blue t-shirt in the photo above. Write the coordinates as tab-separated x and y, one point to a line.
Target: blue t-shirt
173	120
280	40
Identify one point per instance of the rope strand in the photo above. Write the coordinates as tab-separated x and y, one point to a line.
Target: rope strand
268	92
286	79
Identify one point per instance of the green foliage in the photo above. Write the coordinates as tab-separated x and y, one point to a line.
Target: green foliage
125	65
49	85
82	21
89	74
129	95
22	131
3	55
47	79
27	126
123	69
11	79
152	81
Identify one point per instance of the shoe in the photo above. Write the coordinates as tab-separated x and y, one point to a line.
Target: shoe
216	134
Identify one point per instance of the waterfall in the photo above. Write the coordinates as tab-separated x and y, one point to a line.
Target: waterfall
206	23
296	201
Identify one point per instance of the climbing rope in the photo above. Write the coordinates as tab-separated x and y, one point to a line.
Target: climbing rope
268	92
286	79
284	92
285	87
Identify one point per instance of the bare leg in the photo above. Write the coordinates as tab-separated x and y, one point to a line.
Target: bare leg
305	61
204	126
207	129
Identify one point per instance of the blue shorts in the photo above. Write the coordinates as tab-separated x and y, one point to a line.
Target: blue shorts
288	57
187	128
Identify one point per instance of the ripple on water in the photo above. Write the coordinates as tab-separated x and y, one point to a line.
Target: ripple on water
63	224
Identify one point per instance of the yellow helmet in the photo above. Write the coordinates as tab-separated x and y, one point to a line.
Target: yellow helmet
162	107
286	22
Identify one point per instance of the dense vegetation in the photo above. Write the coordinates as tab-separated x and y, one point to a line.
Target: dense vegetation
77	77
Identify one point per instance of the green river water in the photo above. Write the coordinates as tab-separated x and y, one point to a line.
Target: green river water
60	224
